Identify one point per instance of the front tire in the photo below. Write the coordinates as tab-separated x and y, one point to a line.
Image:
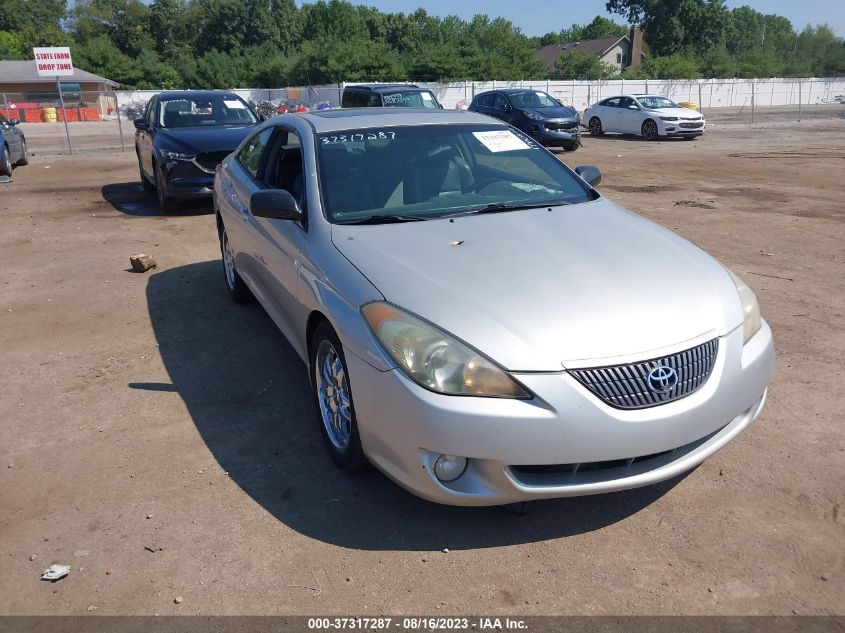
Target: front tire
145	183
165	202
649	130
330	387
5	162
595	127
24	160
238	290
571	147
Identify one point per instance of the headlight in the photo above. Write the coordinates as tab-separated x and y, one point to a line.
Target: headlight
534	116
751	321
668	118
171	155
434	359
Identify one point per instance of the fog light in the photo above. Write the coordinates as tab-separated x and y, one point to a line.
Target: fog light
449	467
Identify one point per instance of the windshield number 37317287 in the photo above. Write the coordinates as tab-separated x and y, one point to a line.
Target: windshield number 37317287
357	137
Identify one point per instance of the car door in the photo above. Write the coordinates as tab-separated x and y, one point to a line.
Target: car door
13	139
501	108
145	139
273	246
608	113
629	116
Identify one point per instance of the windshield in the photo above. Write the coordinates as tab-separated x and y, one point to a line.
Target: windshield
430	171
532	99
220	109
410	99
653	103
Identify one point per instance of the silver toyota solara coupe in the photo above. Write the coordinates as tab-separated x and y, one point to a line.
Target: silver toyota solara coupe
477	320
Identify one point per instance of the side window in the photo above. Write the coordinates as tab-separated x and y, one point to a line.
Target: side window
626	102
250	155
612	103
285	169
148	115
372	100
499	101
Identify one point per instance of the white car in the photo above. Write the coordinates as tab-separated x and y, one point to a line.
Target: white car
651	116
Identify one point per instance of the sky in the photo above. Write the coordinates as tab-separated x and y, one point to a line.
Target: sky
542	16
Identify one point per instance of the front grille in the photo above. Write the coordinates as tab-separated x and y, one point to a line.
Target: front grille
692	125
569	125
210	160
627	386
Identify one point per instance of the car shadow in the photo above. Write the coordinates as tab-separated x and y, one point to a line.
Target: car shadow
247	392
131	199
613	136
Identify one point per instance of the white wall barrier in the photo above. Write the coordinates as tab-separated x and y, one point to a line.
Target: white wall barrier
708	93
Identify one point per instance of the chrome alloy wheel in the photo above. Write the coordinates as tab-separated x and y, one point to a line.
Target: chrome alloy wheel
228	262
333	395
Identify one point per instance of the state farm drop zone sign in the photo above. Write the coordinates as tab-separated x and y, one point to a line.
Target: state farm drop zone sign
53	61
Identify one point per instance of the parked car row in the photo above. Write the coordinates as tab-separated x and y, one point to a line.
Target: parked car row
183	136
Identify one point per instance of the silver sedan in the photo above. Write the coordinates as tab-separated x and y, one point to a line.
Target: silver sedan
478	321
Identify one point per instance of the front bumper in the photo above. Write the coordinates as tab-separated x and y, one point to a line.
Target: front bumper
186	180
554	133
521	450
682	128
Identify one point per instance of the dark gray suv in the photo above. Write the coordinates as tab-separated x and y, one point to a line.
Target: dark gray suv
539	115
388	96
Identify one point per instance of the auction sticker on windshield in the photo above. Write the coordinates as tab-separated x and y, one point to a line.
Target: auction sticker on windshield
501	141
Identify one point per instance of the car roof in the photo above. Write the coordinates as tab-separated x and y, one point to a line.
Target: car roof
381	87
352	118
510	91
188	94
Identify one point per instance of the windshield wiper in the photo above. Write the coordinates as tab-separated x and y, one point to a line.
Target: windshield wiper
385	219
500	207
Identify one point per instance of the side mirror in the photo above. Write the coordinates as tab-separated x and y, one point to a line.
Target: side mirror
275	204
13	122
633	106
590	174
141	124
508	107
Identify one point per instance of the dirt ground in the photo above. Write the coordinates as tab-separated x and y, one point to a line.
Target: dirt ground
161	441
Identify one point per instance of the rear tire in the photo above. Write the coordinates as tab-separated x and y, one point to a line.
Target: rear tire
595	127
333	397
24	160
649	130
5	162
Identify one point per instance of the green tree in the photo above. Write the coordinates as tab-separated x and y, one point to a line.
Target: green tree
602	27
582	65
11	46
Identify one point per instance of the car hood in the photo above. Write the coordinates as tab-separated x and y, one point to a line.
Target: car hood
682	113
203	139
536	290
553	113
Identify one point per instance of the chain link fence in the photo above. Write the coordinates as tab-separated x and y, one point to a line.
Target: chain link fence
70	123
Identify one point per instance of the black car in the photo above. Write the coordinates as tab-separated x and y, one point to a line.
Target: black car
388	96
183	136
12	146
539	115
